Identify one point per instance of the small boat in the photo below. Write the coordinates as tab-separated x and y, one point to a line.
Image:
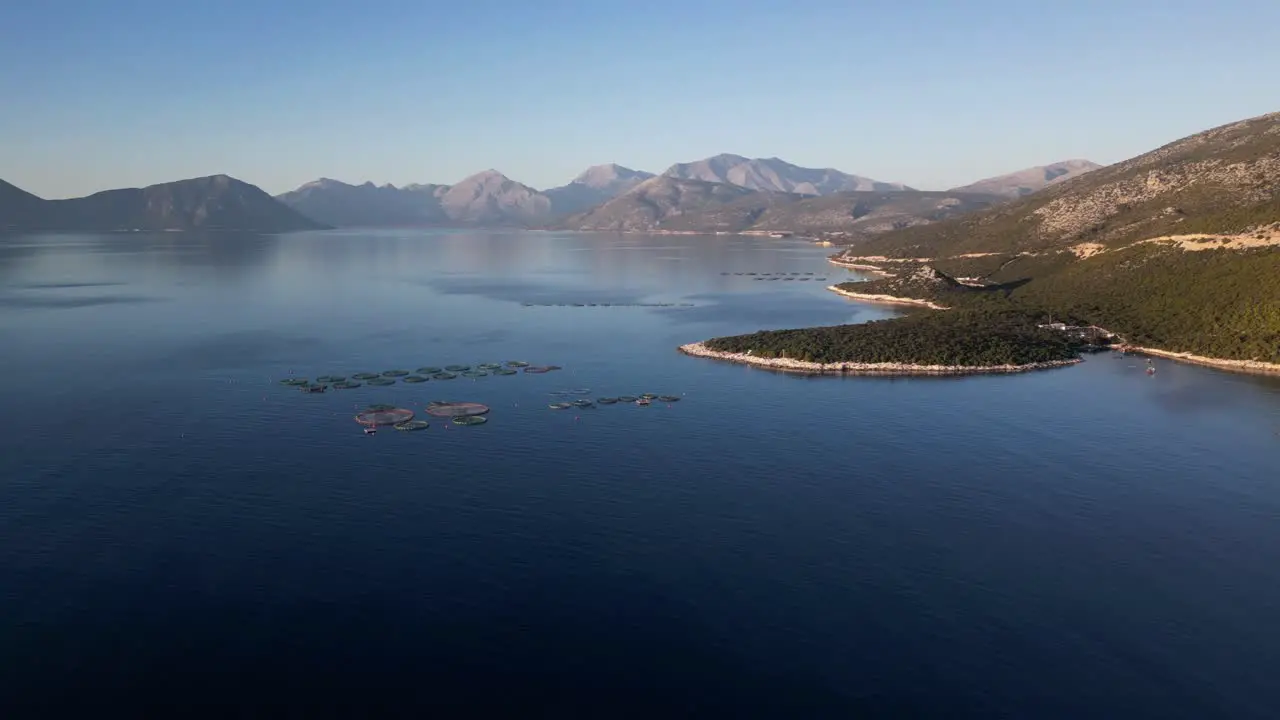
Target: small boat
370	430
643	402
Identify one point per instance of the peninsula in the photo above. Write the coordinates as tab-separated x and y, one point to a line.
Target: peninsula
1177	251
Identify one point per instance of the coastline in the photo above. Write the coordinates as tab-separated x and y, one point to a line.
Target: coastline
870	269
886	299
699	349
1251	367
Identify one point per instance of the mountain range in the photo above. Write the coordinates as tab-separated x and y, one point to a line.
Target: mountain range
728	193
774	175
217	202
670	204
725	193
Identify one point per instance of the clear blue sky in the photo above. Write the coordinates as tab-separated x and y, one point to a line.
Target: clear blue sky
119	93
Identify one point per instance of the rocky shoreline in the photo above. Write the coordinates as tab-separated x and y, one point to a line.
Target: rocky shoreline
885	299
1255	367
699	349
868	269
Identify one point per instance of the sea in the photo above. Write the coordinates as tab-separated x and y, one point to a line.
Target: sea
181	532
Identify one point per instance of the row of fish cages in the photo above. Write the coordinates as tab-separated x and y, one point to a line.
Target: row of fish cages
613	305
386	378
769	274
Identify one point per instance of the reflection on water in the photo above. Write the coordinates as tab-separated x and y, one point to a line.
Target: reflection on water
1092	540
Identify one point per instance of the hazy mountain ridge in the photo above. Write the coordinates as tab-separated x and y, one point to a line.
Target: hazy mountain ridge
672	204
216	202
1030	180
340	204
594	186
493	199
864	213
488	198
775	175
654	202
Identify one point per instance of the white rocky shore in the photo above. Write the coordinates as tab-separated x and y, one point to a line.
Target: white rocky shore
885	299
855	368
1244	366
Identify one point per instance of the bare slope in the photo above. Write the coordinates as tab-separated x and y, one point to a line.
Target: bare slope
596	185
491	198
670	204
658	204
1031	180
1221	181
775	175
367	205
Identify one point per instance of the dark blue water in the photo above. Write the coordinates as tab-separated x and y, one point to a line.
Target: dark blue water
179	528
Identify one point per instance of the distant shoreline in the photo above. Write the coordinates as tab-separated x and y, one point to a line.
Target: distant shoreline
1249	367
859	266
886	299
773	235
699	349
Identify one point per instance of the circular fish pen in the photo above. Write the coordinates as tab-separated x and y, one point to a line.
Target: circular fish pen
517	363
394	373
505	371
381	381
365	376
457	368
627	398
444	376
394	416
648	396
295	382
560	405
668	398
607	400
331	378
456	409
413	425
475	374
489	366
378	407
584	403
539	369
429	370
414	379
470	420
346	385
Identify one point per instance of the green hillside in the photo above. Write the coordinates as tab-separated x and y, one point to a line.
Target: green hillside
1176	250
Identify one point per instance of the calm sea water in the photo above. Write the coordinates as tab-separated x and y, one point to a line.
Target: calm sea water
179	528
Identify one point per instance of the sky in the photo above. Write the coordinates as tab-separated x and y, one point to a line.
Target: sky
99	94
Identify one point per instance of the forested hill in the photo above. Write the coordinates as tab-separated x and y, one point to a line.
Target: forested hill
1221	181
